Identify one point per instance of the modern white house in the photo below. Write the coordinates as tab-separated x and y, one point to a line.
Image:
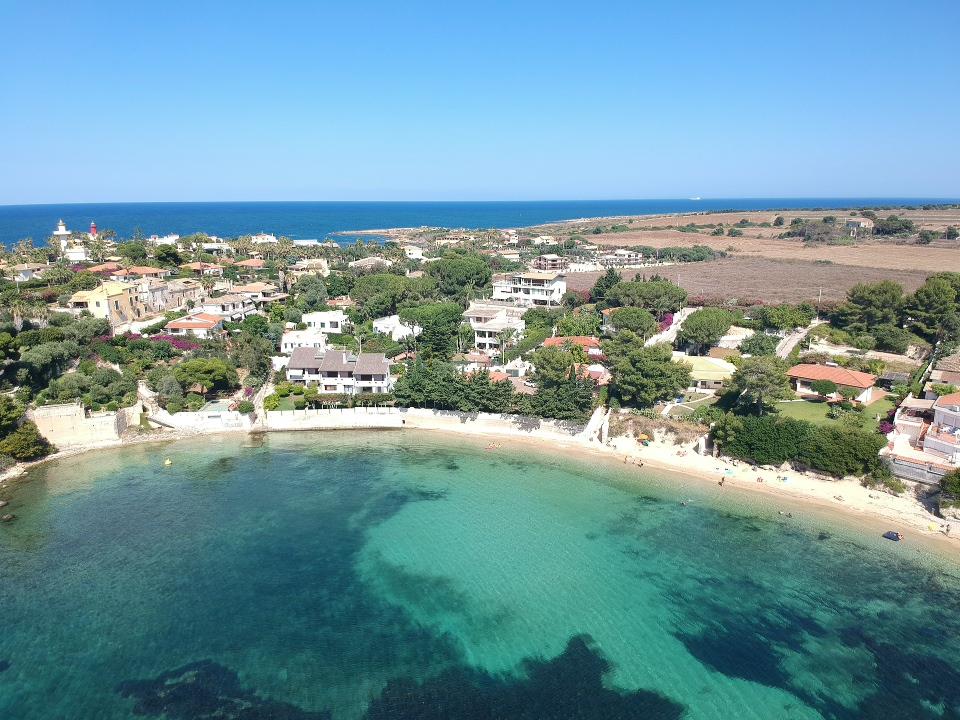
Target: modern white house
331	321
943	436
27	271
412	252
531	288
622	258
494	322
263	239
232	308
293	339
394	327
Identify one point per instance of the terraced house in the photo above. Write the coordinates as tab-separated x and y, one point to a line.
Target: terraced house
339	372
118	302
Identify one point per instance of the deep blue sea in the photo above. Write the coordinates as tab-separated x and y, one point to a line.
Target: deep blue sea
308	220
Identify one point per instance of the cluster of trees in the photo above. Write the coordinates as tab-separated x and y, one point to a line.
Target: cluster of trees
881	315
642	376
705	327
770	440
657	296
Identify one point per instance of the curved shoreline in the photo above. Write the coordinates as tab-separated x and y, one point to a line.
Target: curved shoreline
880	510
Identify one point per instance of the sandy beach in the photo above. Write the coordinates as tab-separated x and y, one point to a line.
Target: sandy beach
847	499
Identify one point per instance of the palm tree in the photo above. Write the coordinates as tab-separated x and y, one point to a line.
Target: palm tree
54	249
505	336
284	247
24	249
243	245
98	248
58	274
22	308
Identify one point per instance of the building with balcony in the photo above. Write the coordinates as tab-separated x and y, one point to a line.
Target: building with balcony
118	302
494	322
338	372
622	258
550	262
531	288
942	438
232	308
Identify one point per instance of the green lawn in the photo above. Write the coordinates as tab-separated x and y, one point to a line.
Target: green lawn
816	412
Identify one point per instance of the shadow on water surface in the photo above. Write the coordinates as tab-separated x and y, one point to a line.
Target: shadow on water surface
568	687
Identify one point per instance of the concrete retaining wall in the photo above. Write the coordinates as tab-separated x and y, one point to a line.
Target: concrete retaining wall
333	419
204	421
491	422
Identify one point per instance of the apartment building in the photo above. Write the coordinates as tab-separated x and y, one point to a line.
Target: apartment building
531	288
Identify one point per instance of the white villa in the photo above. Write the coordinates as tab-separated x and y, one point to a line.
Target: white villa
531	288
233	308
397	330
333	321
293	339
492	321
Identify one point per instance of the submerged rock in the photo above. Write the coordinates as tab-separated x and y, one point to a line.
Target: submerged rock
7	518
4	665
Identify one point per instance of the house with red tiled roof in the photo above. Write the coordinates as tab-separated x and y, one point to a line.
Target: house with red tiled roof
805	374
590	345
251	264
107	267
139	271
202	268
200	325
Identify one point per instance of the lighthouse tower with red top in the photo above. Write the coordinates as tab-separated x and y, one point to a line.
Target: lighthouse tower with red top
93	230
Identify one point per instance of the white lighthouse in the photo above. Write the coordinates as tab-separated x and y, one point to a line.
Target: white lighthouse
62	234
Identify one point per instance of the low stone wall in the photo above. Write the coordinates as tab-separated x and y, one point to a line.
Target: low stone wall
519	425
204	421
333	419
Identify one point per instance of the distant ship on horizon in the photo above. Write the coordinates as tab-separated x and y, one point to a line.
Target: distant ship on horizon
695	198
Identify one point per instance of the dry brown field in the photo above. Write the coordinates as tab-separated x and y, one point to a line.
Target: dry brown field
762	242
749	280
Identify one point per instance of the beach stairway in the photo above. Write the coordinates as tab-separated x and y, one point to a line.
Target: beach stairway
597	427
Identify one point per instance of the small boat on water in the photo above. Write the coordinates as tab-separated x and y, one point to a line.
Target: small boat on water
893	535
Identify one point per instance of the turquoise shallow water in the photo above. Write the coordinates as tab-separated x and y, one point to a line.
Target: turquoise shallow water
396	575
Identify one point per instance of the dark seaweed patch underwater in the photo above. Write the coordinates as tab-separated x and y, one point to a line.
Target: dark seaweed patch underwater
568	687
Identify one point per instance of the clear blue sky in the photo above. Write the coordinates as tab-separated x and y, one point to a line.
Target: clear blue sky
110	101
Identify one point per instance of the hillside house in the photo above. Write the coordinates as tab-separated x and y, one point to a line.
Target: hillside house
544	289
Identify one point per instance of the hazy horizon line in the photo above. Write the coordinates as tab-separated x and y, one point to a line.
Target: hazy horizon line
944	199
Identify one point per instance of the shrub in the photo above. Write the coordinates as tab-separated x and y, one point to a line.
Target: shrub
282	391
174	406
245	406
271	402
26	443
299	402
823	387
